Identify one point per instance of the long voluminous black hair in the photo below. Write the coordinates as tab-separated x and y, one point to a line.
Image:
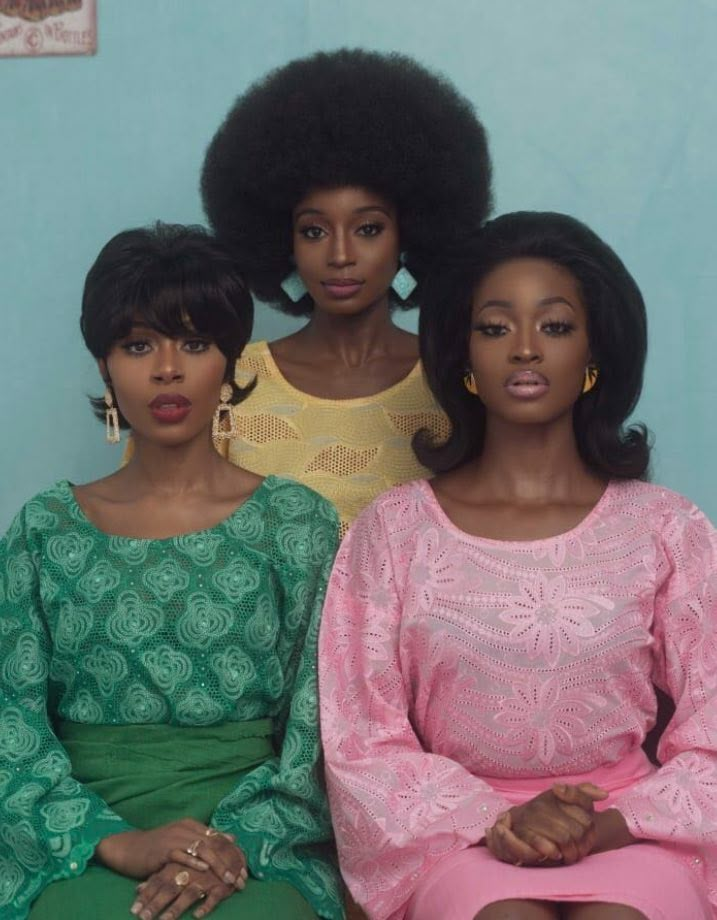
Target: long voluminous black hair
617	331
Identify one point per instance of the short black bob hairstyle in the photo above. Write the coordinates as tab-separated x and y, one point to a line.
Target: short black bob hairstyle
617	331
345	118
175	279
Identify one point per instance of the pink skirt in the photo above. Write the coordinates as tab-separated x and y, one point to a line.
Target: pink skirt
647	876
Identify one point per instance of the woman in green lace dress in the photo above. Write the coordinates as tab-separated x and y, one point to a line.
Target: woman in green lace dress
158	717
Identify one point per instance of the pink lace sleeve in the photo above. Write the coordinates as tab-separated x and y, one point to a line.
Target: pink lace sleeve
678	803
397	808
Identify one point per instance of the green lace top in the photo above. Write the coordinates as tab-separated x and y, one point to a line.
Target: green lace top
197	629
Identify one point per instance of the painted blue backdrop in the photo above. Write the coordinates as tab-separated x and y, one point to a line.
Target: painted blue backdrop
602	108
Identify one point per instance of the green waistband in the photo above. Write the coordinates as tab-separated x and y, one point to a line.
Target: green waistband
151	774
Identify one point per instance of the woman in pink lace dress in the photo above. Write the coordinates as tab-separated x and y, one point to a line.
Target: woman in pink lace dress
492	637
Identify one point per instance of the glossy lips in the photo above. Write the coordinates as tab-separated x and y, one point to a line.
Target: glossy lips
527	384
342	288
170	408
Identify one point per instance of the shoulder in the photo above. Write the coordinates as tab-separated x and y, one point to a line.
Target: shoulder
684	532
304	522
398	511
253	363
40	516
653	503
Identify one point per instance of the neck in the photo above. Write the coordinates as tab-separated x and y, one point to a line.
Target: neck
191	467
353	340
533	463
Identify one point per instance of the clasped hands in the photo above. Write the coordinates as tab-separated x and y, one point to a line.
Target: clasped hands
184	864
557	827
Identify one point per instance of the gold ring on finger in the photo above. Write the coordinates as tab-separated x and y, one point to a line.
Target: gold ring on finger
193	848
181	879
210	832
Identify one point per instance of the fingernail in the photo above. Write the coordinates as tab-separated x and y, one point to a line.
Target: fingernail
240	884
146	915
229	878
244	874
200	866
198	913
136	907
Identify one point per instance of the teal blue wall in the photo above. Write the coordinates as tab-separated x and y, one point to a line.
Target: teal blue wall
602	108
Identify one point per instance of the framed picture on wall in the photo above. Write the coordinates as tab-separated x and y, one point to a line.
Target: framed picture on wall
30	28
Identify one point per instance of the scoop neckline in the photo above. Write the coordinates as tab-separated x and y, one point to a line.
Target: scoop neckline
415	371
581	525
68	488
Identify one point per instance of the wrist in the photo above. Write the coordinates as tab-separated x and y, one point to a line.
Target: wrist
112	851
611	831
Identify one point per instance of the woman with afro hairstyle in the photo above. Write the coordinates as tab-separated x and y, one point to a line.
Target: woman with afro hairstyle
491	639
336	180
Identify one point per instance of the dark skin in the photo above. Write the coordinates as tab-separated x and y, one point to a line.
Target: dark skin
529	348
175	483
350	346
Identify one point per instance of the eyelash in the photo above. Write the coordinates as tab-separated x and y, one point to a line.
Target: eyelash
129	347
368	230
554	328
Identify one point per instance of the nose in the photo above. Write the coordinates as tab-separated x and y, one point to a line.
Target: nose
341	251
168	363
526	350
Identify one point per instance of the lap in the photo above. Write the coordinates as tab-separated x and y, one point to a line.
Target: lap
643	876
99	892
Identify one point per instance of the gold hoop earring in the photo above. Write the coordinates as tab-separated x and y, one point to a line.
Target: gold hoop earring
469	382
591	378
112	429
220	431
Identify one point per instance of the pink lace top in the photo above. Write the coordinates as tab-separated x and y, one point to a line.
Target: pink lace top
447	659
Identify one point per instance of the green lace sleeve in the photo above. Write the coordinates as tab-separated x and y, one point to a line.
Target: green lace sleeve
49	823
279	811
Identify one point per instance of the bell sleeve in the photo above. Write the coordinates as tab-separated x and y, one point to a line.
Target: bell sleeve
50	824
278	811
397	808
678	803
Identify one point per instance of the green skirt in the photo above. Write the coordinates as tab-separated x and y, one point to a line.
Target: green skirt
151	775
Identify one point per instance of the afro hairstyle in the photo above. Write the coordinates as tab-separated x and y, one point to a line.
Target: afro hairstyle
349	117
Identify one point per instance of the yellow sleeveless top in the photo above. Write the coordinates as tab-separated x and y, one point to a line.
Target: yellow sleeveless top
348	450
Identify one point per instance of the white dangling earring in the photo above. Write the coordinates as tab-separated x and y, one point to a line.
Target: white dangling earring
224	410
112	429
404	284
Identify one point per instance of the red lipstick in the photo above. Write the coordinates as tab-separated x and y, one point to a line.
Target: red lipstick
170	408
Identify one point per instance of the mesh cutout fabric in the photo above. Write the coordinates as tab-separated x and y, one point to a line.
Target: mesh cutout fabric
447	660
213	626
348	450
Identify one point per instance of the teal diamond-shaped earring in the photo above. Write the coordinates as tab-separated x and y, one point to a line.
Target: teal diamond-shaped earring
293	286
404	284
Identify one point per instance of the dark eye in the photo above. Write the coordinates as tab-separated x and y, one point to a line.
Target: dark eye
370	229
312	232
491	330
137	347
557	328
196	346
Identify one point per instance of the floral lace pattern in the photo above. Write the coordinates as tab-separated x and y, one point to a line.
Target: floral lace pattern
219	625
447	659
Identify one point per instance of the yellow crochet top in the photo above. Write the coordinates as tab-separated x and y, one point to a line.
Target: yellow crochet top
348	450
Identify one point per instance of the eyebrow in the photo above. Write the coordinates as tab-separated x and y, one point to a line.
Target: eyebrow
545	302
361	210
